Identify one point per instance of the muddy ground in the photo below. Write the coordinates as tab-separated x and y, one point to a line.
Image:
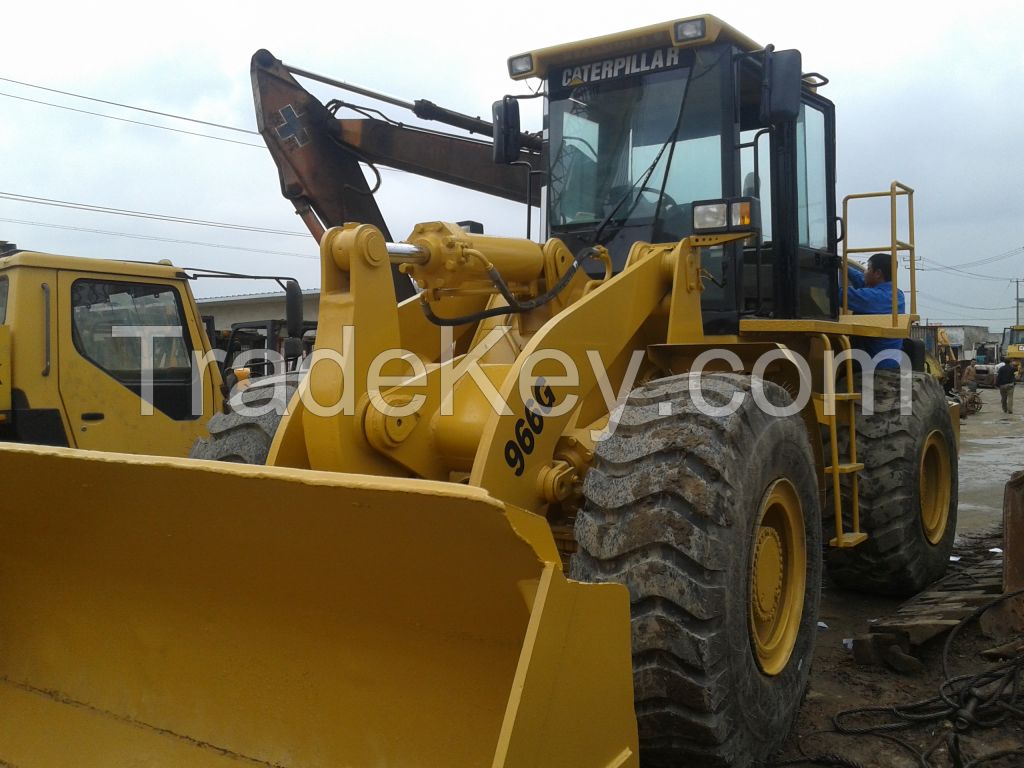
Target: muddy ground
992	447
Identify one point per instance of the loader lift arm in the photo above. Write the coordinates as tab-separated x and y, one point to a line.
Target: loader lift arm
318	156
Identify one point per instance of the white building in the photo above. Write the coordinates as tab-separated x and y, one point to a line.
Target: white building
247	307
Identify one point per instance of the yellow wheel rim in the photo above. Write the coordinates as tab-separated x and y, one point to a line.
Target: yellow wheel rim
933	483
777	577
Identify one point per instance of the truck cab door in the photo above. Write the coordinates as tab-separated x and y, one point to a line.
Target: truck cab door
126	364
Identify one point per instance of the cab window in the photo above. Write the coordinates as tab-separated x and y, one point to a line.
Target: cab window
3	300
812	188
111	319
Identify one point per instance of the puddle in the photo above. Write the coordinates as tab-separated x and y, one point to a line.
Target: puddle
986	462
964	506
1007	441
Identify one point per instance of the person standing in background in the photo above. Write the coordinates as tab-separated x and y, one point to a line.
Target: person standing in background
1005	380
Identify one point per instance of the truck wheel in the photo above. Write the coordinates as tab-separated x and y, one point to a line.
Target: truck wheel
908	491
243	437
713	524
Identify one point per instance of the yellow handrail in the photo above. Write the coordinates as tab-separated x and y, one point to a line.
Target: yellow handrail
894	247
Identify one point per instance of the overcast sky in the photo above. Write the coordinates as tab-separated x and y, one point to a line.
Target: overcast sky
928	97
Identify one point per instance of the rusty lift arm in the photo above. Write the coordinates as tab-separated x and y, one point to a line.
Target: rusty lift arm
318	156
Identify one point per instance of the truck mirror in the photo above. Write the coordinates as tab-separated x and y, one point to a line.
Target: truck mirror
293	307
292	348
786	79
506	130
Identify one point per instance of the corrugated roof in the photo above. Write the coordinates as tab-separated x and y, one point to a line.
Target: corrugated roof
255	296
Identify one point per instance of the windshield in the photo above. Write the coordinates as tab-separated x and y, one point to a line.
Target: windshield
1016	335
635	149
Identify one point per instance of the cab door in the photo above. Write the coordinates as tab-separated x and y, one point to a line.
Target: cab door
817	259
126	364
790	167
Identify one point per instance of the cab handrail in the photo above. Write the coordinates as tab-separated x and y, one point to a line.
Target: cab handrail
895	246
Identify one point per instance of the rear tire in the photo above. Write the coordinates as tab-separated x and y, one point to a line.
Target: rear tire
240	436
678	507
908	492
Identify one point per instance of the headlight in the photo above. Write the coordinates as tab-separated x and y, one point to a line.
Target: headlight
717	216
693	29
520	65
710	215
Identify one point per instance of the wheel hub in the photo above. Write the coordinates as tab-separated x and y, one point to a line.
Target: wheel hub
934	479
767	573
778	576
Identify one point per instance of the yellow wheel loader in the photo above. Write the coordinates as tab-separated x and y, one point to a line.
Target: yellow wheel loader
1013	343
110	356
662	394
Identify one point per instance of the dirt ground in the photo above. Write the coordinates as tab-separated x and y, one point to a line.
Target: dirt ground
991	448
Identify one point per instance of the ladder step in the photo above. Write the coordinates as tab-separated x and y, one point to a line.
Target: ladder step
846	469
848	539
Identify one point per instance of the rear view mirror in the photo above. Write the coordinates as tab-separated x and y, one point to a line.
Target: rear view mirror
293	307
506	130
293	348
785	82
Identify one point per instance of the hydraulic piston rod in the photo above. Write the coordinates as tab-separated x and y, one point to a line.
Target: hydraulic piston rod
404	253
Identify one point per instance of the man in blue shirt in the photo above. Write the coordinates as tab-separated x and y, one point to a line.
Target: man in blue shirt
870	293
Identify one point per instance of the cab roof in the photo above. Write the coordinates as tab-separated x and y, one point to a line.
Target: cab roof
38	260
665	34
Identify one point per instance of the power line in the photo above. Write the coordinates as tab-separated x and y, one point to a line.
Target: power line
133	122
989	259
960	273
129	106
152	112
930	297
958	268
173	240
143	215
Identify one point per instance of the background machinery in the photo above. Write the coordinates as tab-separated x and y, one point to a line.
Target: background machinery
987	356
67	377
649	394
72	371
1013	346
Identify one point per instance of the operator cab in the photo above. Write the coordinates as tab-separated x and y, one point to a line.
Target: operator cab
643	125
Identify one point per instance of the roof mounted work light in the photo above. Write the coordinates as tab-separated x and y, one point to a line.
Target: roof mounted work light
519	65
690	29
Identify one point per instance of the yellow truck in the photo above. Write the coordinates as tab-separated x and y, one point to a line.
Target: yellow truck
650	394
104	355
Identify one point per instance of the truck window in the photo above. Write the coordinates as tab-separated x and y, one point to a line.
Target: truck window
109	320
3	300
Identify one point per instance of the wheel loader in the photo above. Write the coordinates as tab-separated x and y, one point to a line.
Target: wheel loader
568	504
72	331
1012	338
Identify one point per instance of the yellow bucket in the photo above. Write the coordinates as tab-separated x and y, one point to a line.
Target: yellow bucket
159	612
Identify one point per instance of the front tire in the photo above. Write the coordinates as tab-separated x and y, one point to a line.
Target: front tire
713	524
245	433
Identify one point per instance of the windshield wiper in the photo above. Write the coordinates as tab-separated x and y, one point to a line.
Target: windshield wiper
641	182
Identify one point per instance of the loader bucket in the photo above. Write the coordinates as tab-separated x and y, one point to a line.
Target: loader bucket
167	612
